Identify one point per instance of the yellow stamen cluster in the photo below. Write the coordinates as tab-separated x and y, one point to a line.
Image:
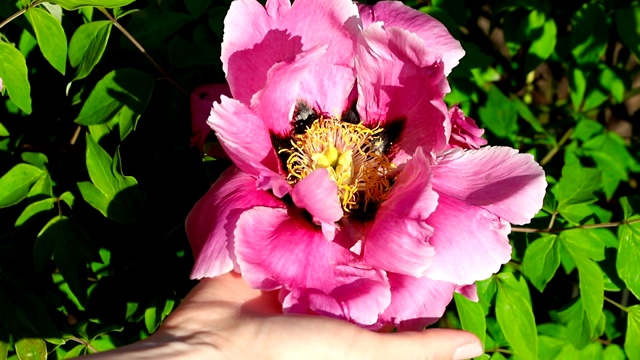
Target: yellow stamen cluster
346	150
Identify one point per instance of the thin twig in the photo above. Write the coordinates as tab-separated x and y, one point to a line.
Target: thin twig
12	17
553	220
587	226
142	50
88	345
619	306
556	148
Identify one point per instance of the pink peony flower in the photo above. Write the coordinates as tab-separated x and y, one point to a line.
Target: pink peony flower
1	86
355	193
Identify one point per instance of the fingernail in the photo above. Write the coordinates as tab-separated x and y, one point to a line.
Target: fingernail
468	351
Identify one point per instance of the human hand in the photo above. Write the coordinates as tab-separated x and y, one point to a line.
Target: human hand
223	318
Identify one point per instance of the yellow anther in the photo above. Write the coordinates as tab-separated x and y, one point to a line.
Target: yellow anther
346	150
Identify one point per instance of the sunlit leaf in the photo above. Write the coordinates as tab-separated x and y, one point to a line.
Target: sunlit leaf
87	46
541	260
51	37
13	72
516	319
471	316
15	184
631	343
31	349
74	4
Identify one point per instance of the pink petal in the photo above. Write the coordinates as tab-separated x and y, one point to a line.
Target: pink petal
499	179
430	30
283	31
275	102
468	291
246	140
416	302
318	194
464	133
401	80
211	221
201	101
470	242
398	239
321	276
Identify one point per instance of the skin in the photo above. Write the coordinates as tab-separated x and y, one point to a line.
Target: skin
223	318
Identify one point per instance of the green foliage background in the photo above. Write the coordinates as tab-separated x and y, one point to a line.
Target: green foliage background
98	175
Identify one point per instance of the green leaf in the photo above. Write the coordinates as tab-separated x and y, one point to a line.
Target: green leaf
36	159
74	4
3	130
613	352
631	343
13	72
591	290
99	167
68	198
527	115
51	38
151	319
197	7
471	316
578	328
542	46
121	90
72	249
42	186
590	35
627	21
516	319
577	185
94	197
87	46
541	260
628	255
578	86
15	184
499	114
31	349
34	209
4	349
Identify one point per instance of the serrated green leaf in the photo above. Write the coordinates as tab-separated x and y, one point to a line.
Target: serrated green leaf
34	209
123	89
15	184
577	186
31	349
13	72
51	38
499	114
628	255
516	319
87	46
631	343
589	35
541	260
74	4
627	20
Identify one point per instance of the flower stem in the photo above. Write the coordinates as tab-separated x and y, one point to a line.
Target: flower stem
588	226
142	49
556	148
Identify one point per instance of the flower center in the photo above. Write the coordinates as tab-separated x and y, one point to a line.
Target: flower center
350	154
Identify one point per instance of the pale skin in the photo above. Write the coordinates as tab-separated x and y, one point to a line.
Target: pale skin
223	318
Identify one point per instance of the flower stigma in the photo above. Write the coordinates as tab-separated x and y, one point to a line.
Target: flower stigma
349	153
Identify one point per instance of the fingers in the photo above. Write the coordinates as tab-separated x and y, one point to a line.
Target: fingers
432	344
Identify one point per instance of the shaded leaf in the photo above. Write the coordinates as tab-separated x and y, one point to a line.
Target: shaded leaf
589	35
627	21
124	90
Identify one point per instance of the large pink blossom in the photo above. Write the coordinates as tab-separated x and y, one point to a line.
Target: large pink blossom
356	193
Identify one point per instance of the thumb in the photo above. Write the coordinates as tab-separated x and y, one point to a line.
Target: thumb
432	344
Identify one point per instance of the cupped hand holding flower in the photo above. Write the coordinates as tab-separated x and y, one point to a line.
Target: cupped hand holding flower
356	193
223	318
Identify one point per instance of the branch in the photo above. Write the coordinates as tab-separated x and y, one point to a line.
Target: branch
588	226
556	148
142	50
